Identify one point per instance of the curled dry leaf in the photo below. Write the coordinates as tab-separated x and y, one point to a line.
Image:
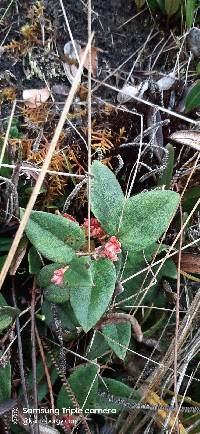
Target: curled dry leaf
71	64
94	59
166	82
193	41
187	138
128	92
190	263
35	97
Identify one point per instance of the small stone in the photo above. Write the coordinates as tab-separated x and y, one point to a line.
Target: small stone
193	41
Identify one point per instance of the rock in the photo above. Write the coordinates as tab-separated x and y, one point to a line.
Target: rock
193	41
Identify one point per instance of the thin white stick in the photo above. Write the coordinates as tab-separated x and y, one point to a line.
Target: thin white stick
69	30
89	118
149	103
7	133
45	166
50	172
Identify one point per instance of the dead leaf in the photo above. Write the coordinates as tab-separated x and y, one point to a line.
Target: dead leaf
166	82
71	66
160	416
128	92
190	263
60	89
188	138
94	59
35	97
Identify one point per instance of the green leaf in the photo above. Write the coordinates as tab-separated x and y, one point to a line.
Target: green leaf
189	10
118	390
106	197
90	302
193	97
161	4
2	260
79	273
152	4
5	244
134	263
140	3
98	348
84	386
146	216
165	178
56	293
198	68
157	326
52	292
7	313
190	198
5	382
34	261
41	377
169	269
64	313
172	6
118	337
55	237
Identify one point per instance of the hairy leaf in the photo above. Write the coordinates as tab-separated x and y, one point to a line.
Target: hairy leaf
165	178
64	312
84	386
79	273
172	6
118	337
116	389
189	9
34	261
5	382
146	216
7	313
97	347
90	302
55	237
106	197
193	97
52	292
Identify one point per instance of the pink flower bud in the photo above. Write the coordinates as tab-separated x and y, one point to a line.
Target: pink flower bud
58	275
110	249
96	230
69	217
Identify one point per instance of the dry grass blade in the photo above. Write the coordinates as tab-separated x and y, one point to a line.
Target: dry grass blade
7	133
45	166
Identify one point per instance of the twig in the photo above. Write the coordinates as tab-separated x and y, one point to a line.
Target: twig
73	194
67	386
20	352
46	373
149	103
7	133
89	119
51	172
117	318
33	353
